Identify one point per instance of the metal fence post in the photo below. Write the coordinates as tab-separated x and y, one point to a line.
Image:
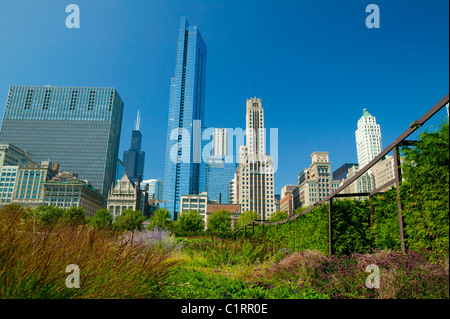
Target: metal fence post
398	177
330	233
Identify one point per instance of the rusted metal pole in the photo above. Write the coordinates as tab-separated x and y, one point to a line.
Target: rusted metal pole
398	178
330	232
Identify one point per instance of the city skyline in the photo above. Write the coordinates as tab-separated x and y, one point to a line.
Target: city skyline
315	108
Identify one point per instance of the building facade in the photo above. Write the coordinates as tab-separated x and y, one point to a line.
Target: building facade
122	196
11	155
383	171
315	182
65	190
186	117
8	177
155	187
342	172
29	187
77	127
256	171
134	158
368	139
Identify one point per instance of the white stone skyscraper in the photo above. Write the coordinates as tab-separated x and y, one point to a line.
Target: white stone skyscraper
368	139
220	142
255	173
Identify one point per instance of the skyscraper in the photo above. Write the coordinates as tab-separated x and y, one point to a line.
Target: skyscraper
368	139
154	188
256	172
77	127
186	116
219	172
134	158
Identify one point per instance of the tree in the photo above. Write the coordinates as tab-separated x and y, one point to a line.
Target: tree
191	221
278	216
219	221
245	218
102	219
161	218
74	216
129	220
49	215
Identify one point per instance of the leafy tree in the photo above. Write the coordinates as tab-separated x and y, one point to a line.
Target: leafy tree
49	215
129	220
102	219
219	221
161	218
246	217
74	216
278	216
191	221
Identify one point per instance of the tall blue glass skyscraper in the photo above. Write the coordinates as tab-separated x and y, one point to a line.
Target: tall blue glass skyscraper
77	127
186	110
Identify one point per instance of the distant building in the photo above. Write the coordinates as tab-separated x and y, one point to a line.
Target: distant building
364	184
287	189
29	187
233	209
342	172
134	158
383	171
8	177
77	127
201	204
315	182
124	195
185	118
256	171
11	155
154	188
195	202
368	139
66	190
277	202
287	204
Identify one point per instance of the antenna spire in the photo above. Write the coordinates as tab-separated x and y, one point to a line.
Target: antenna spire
137	123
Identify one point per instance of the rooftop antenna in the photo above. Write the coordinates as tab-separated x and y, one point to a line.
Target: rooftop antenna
137	122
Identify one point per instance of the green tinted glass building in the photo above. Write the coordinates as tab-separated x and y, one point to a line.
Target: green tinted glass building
77	127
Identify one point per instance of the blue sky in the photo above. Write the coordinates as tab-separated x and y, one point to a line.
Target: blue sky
314	64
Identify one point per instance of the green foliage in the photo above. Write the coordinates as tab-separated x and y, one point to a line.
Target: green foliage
102	219
219	221
129	220
426	191
193	284
385	231
245	218
278	216
49	215
191	221
74	216
161	218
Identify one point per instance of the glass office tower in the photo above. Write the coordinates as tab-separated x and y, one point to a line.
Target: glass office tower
77	127
186	110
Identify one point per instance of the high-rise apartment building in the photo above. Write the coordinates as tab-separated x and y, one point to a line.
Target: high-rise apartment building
186	116
368	139
77	127
11	155
255	172
134	158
